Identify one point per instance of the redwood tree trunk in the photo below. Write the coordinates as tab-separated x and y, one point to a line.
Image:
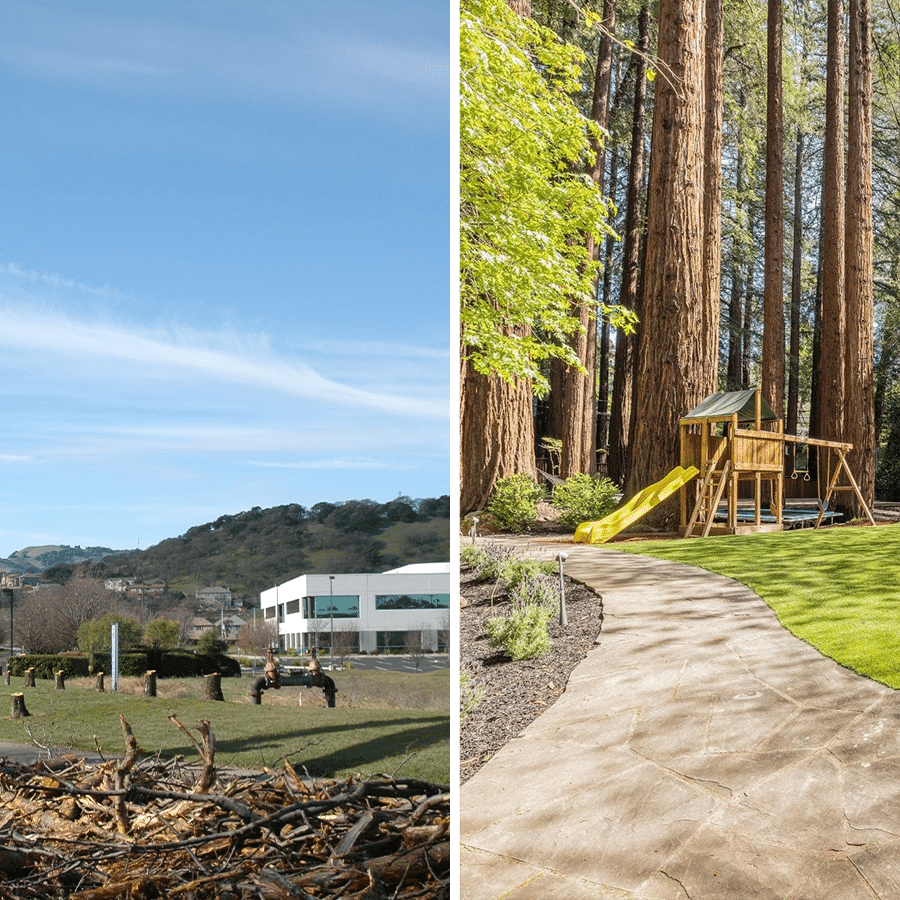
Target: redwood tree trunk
496	434
831	386
859	372
773	302
793	394
675	342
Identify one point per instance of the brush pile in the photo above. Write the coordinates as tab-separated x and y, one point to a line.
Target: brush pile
147	829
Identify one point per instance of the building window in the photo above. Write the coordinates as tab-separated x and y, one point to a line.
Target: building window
270	612
292	606
412	601
391	641
344	606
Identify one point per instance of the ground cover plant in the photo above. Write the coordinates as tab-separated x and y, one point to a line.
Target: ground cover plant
834	588
369	731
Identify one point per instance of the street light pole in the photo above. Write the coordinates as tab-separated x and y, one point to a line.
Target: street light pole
331	610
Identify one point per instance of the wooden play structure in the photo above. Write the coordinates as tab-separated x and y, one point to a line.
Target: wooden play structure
736	441
737	445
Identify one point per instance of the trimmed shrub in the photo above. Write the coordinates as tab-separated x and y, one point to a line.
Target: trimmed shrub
514	502
524	633
46	665
584	498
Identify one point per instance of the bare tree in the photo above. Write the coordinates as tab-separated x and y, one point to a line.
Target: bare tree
346	641
256	637
416	644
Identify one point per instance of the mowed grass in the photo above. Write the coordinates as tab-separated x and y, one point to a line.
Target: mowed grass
384	722
837	588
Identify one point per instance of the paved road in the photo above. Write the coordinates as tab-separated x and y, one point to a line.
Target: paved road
699	751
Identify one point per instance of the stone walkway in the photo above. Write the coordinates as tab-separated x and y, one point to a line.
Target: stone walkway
700	751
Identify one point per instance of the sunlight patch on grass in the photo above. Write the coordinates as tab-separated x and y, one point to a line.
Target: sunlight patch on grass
838	589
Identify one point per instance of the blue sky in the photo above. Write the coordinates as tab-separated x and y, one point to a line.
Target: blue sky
224	261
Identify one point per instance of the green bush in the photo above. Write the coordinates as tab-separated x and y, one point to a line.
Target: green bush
524	633
514	502
584	498
515	571
470	696
46	665
131	665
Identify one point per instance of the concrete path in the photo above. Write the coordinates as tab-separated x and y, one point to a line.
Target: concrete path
699	751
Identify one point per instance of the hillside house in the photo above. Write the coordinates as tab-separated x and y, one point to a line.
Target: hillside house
215	596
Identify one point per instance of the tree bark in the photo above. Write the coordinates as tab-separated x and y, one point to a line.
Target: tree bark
675	342
734	378
212	687
714	106
150	683
496	434
773	292
100	688
831	387
19	711
793	394
620	419
60	680
859	370
29	677
579	397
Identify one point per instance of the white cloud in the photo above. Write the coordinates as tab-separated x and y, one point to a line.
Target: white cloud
179	353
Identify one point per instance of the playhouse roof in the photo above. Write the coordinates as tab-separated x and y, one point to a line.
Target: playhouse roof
720	406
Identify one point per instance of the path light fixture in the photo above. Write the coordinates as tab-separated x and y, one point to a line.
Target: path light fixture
473	529
563	619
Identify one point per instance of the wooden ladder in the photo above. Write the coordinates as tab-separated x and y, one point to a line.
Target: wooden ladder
711	490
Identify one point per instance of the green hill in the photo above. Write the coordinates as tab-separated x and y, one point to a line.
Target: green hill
253	550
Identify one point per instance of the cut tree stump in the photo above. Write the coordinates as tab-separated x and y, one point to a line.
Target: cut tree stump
60	680
29	677
100	688
212	688
19	711
150	683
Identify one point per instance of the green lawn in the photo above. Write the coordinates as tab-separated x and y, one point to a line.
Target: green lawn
837	588
336	742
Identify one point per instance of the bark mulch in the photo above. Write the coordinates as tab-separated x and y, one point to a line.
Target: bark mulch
514	694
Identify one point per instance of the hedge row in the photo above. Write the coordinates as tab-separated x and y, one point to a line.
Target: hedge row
134	664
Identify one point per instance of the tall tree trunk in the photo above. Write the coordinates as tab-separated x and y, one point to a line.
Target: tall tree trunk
734	376
793	405
773	292
859	372
714	51
747	329
496	431
674	344
620	418
579	389
831	388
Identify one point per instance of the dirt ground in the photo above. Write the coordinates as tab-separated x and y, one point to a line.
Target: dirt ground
513	694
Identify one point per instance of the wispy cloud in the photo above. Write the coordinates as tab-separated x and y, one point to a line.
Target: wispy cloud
340	462
181	353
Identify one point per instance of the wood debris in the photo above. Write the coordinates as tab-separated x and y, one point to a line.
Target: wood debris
145	829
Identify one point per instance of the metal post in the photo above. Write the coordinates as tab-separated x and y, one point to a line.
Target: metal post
114	656
331	610
563	619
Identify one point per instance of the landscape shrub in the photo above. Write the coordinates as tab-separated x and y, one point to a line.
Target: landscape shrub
131	665
485	562
515	571
46	665
584	498
470	696
524	633
514	502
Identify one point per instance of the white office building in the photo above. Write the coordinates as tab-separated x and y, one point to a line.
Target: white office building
367	613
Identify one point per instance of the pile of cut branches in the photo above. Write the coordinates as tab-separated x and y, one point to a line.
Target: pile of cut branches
145	829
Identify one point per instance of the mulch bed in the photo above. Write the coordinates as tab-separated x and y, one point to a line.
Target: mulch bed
514	694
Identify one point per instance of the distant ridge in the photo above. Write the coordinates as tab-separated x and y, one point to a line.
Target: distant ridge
37	559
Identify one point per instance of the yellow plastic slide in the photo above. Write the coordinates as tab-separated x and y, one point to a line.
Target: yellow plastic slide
638	506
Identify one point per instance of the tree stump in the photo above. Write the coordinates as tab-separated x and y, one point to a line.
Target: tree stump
212	688
8	670
60	680
150	683
29	677
100	688
18	707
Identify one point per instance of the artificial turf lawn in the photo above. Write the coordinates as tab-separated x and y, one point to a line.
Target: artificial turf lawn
837	588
